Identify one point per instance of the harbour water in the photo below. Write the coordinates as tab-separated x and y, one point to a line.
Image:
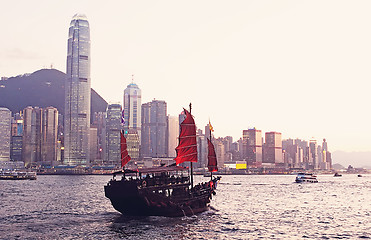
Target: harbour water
245	207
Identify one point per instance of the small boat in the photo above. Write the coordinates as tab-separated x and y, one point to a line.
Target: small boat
17	175
166	190
337	175
306	178
359	175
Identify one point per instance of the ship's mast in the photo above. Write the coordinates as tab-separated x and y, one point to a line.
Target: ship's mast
190	111
211	173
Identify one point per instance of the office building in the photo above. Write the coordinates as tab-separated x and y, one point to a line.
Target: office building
133	145
113	128
312	157
202	150
93	142
5	132
252	147
16	138
173	135
154	142
273	148
132	108
32	136
77	93
49	136
100	123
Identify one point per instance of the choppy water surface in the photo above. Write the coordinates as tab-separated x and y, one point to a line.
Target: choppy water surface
245	207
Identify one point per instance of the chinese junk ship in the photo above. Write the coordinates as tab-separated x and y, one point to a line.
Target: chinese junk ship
166	190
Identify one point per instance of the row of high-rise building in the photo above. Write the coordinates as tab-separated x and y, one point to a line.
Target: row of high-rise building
301	154
30	137
36	137
43	137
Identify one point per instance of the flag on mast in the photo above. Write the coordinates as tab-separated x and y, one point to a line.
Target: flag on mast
211	127
122	118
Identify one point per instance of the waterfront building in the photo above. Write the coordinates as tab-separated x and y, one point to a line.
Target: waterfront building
273	148
326	156
113	128
303	153
321	154
291	153
154	142
235	151
313	159
220	152
252	147
32	136
77	93
93	142
5	132
60	140
228	140
202	150
133	145
324	145
99	121
132	108
49	136
17	125
16	148
173	135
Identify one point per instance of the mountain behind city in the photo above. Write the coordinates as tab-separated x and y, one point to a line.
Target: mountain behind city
355	159
42	88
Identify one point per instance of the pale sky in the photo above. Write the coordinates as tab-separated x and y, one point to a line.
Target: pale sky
302	68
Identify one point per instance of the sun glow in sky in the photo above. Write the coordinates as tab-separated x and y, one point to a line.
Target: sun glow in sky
301	68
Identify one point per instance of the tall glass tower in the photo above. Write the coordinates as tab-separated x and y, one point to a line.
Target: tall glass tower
132	108
77	93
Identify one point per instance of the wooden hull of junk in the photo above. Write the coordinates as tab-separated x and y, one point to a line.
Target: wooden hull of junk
136	198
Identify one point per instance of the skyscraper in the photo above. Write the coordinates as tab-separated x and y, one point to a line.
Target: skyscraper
77	93
16	139
132	108
155	133
5	130
273	148
32	135
49	136
113	128
173	134
313	160
253	147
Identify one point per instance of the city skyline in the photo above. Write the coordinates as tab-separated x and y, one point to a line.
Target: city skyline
295	68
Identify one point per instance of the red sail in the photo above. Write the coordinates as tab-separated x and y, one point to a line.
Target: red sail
125	158
187	148
212	164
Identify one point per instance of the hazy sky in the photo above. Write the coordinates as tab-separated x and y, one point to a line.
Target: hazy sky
302	68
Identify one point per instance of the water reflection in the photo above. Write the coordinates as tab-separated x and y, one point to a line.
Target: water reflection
245	207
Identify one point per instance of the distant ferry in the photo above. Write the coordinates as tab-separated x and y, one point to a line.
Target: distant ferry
306	177
17	175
